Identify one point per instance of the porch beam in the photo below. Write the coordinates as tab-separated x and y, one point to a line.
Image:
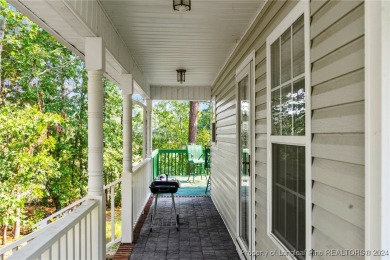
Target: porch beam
94	63
127	176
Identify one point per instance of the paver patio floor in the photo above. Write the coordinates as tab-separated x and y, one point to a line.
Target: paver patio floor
202	233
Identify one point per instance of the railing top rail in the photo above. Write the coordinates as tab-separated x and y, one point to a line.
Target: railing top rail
53	232
56	214
112	184
20	241
140	165
155	153
172	150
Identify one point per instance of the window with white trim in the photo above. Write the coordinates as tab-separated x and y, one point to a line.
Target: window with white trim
288	137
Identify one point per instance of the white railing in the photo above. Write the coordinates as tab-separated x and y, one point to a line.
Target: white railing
70	237
72	232
110	190
18	244
142	177
59	214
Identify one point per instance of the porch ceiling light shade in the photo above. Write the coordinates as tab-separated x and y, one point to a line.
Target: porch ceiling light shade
181	75
182	5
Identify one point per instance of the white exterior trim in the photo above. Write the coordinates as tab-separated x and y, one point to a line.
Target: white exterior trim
385	224
249	60
303	7
377	126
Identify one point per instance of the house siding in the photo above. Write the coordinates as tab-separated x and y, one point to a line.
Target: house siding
337	62
337	58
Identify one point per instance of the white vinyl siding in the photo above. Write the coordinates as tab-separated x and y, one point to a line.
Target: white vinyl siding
337	100
337	57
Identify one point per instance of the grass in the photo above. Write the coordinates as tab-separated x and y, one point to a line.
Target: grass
117	233
117	226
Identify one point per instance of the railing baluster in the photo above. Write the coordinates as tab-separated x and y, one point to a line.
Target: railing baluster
79	245
90	236
112	213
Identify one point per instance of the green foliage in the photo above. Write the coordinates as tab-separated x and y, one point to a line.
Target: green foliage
26	162
137	133
170	124
112	126
44	91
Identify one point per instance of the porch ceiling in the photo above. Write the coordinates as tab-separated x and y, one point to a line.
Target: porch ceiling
162	40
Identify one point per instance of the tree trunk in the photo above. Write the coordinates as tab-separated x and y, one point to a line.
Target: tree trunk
17	221
5	227
193	122
2	92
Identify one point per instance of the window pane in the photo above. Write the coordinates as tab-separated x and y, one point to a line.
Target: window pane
275	63
275	111
298	47
298	107
279	163
301	170
301	225
286	110
279	205
288	208
291	219
286	55
292	168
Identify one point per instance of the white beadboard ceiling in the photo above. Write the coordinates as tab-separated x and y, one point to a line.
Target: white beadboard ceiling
162	40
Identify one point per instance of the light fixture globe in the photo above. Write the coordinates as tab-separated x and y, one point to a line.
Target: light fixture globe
182	5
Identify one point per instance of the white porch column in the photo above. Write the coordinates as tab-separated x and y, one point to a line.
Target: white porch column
149	145
127	181
144	132
94	63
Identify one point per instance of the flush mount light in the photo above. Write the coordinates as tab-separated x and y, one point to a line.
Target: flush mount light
182	5
181	75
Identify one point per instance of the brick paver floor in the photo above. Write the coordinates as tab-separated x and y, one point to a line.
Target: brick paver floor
202	233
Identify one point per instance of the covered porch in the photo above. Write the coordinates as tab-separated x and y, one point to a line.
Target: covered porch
301	99
89	30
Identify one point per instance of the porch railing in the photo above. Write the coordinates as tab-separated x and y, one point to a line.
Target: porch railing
172	161
71	237
109	189
72	232
141	191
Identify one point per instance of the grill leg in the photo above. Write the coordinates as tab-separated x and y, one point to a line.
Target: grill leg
154	211
174	209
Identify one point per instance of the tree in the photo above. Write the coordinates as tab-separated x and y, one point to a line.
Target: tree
193	121
43	80
170	124
26	164
203	133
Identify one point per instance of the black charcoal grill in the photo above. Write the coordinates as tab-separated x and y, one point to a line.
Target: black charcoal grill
164	185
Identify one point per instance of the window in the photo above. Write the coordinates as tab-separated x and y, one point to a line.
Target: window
288	134
288	82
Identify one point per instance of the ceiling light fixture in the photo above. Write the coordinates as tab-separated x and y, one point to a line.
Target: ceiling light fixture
182	5
181	75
